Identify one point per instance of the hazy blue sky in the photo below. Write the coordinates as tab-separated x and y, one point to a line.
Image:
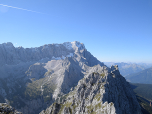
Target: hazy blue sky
112	30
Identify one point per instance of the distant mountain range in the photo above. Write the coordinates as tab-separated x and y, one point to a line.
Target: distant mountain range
144	76
129	68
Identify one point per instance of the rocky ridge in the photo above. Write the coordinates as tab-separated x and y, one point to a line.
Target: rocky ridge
11	55
102	91
6	109
32	78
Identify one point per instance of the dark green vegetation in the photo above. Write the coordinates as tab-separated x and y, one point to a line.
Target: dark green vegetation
13	93
144	96
143	90
1	99
6	109
27	90
33	89
144	76
145	106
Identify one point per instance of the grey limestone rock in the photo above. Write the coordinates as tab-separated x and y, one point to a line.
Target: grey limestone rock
31	79
35	77
6	109
13	55
102	92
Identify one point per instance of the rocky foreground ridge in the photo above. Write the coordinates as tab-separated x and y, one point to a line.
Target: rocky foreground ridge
103	91
6	109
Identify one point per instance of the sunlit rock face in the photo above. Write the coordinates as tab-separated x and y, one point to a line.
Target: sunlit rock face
32	78
102	91
64	77
11	55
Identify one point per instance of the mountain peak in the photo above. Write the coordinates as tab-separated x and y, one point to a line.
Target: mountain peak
74	45
8	44
52	70
100	92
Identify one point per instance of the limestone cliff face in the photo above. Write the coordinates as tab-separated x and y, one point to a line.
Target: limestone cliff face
11	55
32	78
103	91
6	109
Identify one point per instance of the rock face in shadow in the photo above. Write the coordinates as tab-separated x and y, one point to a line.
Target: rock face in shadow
102	91
11	55
65	77
6	109
32	78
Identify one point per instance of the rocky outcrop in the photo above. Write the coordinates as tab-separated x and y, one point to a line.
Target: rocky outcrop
129	68
102	92
32	78
11	55
6	109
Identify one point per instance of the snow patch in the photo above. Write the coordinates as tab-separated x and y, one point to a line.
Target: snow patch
56	58
57	45
68	45
53	57
74	45
70	55
62	57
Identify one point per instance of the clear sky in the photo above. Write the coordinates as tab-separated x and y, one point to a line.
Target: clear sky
112	30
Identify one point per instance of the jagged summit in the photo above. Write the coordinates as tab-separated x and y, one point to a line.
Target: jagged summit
31	79
6	109
69	45
12	55
8	44
102	92
39	75
74	45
